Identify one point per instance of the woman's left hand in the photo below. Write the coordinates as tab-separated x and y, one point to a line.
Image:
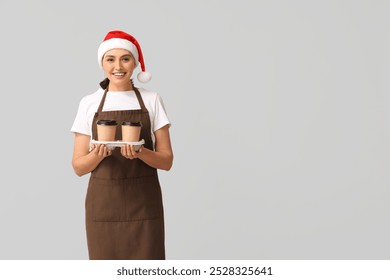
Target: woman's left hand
128	152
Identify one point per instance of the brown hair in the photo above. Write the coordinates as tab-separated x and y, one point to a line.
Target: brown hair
104	84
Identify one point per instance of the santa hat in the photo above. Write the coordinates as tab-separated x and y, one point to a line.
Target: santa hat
120	40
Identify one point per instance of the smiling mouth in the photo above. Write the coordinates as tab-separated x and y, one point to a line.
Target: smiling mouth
119	74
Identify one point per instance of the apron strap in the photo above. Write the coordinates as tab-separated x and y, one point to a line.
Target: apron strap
102	101
140	101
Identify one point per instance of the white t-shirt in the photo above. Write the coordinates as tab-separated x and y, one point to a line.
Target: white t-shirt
120	100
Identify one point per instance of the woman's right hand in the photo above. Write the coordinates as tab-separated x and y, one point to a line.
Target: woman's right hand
100	150
85	157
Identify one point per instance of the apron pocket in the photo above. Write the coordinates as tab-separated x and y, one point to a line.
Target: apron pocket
143	200
126	199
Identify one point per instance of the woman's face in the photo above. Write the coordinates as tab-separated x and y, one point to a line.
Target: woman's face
118	65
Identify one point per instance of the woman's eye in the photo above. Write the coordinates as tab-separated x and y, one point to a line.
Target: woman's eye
126	59
110	59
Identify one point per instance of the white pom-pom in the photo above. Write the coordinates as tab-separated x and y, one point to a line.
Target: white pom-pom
144	77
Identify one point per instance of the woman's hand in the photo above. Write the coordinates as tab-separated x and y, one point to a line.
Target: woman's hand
160	158
100	150
85	157
128	152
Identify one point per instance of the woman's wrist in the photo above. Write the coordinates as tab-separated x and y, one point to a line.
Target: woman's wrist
140	149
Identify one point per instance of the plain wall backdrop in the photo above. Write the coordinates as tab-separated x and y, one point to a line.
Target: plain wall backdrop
280	113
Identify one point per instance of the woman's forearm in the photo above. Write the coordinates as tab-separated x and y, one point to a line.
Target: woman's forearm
86	164
159	160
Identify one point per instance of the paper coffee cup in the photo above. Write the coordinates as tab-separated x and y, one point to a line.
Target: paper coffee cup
131	131
106	130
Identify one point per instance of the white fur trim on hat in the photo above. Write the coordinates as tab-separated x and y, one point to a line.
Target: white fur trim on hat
116	43
144	77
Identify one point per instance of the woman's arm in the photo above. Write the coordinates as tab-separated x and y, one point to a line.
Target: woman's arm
161	158
85	161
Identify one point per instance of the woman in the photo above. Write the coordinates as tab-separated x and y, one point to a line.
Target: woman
124	210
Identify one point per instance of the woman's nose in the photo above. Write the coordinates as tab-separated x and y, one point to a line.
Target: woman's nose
118	65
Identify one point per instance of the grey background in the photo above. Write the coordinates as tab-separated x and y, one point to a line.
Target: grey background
280	113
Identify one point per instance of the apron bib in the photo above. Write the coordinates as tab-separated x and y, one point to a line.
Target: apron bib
124	209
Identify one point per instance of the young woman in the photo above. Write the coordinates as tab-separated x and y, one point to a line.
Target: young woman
124	210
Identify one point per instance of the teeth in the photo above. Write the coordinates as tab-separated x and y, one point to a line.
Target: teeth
118	74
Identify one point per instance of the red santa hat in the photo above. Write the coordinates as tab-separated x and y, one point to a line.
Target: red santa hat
121	40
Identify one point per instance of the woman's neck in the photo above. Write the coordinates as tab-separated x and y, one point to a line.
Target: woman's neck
123	87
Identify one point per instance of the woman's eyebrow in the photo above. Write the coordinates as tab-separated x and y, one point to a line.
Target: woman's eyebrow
110	55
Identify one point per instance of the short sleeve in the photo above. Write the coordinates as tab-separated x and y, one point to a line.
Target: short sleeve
80	124
160	115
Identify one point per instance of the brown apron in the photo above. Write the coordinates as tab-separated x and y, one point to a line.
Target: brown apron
124	210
